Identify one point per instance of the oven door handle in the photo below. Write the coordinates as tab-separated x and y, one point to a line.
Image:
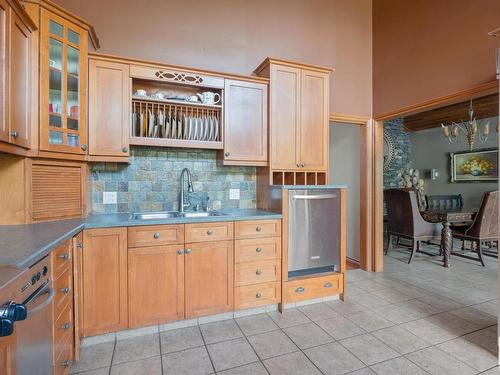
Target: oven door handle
50	292
318	196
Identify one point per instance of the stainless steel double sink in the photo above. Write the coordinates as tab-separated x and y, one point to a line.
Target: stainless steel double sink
173	215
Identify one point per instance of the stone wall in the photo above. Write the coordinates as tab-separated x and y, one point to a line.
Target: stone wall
402	152
152	179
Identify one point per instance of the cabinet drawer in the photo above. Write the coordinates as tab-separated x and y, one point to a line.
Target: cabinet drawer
64	292
257	228
313	287
63	324
202	232
257	272
257	295
61	259
155	235
256	249
63	355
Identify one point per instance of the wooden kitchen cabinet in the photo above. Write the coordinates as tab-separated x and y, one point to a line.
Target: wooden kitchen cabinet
109	110
155	285
63	84
209	278
104	281
245	123
8	355
298	120
15	84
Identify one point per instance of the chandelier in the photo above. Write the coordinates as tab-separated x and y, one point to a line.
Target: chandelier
472	130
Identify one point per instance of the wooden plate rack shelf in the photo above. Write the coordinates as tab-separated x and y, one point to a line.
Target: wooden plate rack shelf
298	178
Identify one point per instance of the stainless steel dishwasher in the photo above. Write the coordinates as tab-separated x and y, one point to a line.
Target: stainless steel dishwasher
313	231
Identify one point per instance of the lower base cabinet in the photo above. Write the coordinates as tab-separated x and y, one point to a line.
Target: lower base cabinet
209	278
155	285
8	355
104	281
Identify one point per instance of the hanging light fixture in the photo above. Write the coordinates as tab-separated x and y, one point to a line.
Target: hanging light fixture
472	130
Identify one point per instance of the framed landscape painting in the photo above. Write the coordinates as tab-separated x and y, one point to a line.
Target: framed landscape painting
474	166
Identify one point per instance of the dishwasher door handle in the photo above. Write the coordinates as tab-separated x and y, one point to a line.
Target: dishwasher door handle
318	196
50	292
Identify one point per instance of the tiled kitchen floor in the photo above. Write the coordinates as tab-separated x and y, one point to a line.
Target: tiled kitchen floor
410	319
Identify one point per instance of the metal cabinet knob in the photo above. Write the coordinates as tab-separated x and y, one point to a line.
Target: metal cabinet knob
64	256
84	147
67	363
80	245
188	251
226	153
298	165
156	235
258	272
302	165
258	250
124	149
210	232
328	285
14	134
258	229
180	251
299	290
65	326
258	295
65	290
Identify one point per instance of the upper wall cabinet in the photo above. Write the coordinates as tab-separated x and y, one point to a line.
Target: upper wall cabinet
63	77
15	45
298	117
109	110
245	123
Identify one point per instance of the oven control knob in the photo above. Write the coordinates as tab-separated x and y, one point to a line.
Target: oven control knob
33	280
45	271
38	275
14	311
6	327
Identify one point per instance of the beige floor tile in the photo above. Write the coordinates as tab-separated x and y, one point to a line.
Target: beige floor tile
396	314
188	362
437	362
340	328
256	368
260	323
220	331
369	349
400	339
307	335
470	353
180	339
369	320
136	348
397	366
333	359
291	364
229	354
150	366
291	317
94	357
347	307
318	311
272	344
428	331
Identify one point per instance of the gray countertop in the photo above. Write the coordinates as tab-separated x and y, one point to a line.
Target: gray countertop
23	245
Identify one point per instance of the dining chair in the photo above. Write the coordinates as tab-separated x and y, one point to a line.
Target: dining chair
484	228
405	221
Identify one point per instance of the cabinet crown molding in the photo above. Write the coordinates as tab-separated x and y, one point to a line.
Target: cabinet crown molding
295	64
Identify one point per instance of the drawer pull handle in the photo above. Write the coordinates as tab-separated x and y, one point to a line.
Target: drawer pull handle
67	363
258	229
156	235
65	326
299	290
258	295
258	272
210	232
188	251
328	285
14	134
258	250
65	290
180	251
64	256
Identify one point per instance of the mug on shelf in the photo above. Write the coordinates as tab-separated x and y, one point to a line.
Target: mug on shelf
209	97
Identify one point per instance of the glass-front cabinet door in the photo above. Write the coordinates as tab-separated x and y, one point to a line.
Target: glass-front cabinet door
63	85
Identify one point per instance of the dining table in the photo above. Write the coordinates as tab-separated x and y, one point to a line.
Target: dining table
448	217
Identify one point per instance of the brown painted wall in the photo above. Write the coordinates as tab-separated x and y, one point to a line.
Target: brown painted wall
236	35
425	49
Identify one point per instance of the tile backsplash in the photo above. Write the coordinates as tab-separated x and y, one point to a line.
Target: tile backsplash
151	181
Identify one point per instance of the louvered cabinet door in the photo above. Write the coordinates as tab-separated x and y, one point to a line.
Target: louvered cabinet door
57	190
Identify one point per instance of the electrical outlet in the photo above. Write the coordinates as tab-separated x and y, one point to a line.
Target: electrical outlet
234	193
109	197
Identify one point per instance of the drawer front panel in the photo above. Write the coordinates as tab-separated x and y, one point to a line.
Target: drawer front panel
314	287
208	232
155	235
257	295
63	324
257	272
257	228
64	292
61	259
257	249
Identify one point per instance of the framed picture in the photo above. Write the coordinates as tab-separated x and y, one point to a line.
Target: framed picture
475	166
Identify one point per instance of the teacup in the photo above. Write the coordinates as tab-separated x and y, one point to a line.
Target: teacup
209	97
141	92
158	95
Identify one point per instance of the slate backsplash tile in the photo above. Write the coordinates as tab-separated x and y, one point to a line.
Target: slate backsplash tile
151	181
